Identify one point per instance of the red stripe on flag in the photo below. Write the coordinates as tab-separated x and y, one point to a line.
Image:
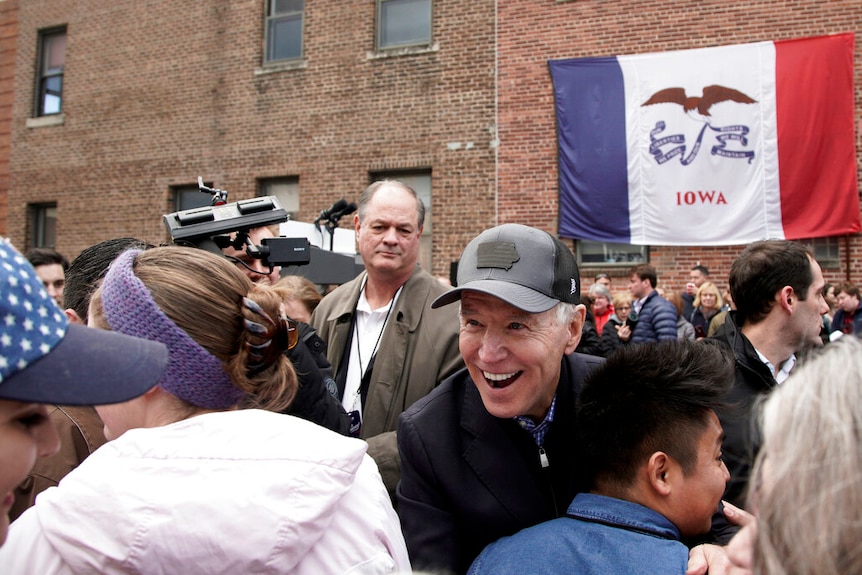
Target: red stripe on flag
816	146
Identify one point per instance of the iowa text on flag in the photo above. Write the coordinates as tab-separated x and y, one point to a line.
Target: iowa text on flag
714	146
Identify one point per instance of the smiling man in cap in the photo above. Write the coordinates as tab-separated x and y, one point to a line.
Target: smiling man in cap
45	360
489	452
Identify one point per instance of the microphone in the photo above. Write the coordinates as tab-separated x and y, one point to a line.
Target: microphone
348	209
333	209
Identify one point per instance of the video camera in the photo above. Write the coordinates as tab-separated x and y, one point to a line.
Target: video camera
223	225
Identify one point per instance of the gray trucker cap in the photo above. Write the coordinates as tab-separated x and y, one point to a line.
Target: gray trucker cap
523	266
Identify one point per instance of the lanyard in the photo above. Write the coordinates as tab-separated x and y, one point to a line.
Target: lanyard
364	374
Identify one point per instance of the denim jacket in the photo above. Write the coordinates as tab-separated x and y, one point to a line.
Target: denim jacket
600	535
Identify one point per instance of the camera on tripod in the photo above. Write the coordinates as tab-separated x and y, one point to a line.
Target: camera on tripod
223	225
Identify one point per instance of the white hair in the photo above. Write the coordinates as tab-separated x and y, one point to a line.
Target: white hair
809	470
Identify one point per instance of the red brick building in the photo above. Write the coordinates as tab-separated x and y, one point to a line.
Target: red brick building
531	33
8	37
156	94
315	99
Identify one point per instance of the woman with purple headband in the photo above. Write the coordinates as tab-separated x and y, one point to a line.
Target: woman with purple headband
190	484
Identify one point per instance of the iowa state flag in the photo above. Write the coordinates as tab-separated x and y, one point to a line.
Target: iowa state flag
714	146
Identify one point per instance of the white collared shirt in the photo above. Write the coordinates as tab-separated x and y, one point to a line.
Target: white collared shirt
784	370
366	338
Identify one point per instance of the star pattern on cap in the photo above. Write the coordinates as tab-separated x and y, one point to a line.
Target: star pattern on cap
31	324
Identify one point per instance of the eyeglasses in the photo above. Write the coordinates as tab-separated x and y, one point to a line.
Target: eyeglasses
625	307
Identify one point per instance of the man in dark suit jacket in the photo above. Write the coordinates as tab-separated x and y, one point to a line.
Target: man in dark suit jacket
490	451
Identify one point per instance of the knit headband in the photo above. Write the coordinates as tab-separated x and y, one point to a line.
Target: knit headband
193	374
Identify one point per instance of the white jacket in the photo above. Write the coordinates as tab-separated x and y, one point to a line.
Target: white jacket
231	492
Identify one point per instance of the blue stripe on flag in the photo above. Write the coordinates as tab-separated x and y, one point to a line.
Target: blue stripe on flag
591	130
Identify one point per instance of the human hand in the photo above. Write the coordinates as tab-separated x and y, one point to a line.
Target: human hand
740	550
711	558
735	559
737	516
690	288
624	332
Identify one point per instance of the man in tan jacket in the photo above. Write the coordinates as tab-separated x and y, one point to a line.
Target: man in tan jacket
386	346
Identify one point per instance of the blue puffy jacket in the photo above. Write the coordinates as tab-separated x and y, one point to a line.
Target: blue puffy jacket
656	320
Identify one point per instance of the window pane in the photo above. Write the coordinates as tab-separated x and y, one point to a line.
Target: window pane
55	52
285	38
286	190
405	22
44	226
54	85
608	253
191	197
826	250
52	95
282	6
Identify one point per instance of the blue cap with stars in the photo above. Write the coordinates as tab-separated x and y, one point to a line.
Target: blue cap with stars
44	359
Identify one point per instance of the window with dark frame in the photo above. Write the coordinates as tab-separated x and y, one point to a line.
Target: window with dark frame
608	254
52	59
402	23
286	190
189	197
284	20
43	225
826	251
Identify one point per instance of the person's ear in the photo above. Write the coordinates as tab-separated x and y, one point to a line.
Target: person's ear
72	316
660	473
785	298
575	327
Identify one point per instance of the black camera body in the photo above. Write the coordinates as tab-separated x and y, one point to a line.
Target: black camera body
210	228
288	251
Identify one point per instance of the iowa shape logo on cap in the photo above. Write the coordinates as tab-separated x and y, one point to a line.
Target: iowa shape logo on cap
501	255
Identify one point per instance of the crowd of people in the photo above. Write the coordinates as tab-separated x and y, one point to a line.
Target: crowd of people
173	410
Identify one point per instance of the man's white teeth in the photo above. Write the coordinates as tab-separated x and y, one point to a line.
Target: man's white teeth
498	376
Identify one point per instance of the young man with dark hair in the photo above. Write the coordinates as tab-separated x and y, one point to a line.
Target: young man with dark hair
649	451
88	269
777	287
656	316
51	268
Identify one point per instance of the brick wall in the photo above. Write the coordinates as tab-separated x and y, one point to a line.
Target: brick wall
8	34
157	93
530	33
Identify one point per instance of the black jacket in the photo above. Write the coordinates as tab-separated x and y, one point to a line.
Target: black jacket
753	380
610	339
469	478
590	342
315	398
